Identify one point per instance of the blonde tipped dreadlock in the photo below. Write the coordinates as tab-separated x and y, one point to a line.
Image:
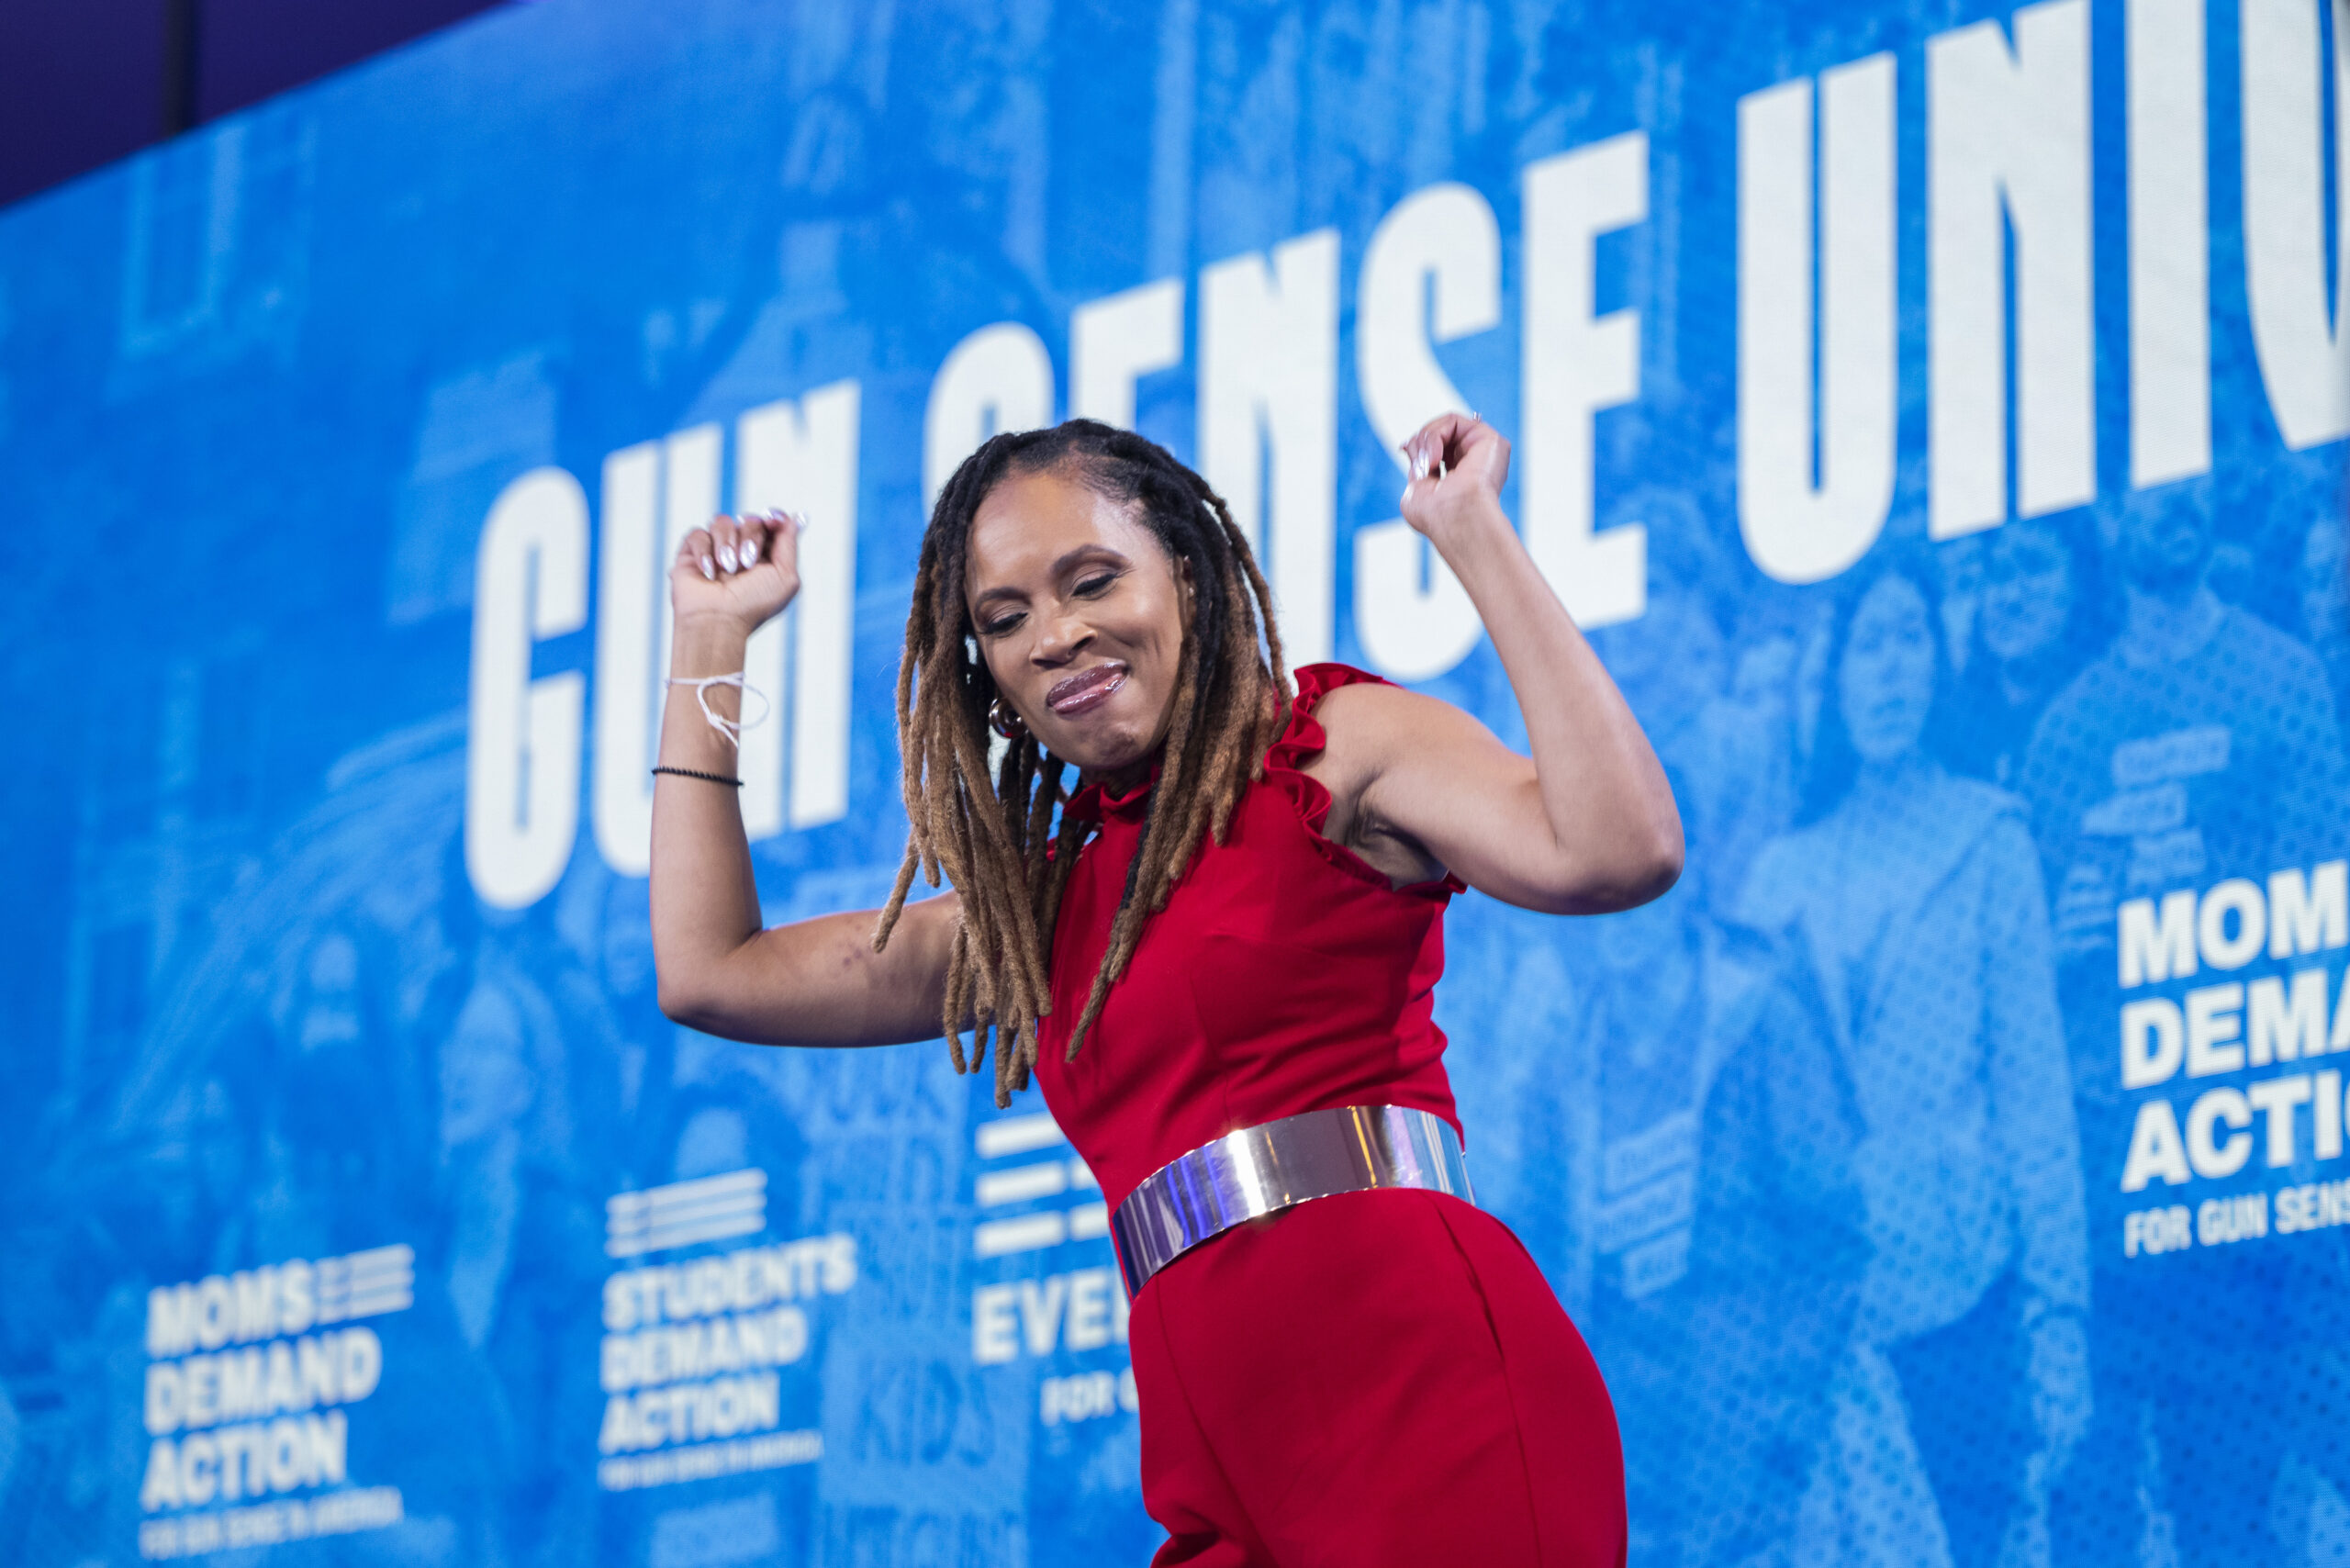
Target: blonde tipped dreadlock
994	837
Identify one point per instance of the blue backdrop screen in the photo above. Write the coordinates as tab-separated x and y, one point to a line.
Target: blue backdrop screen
1933	411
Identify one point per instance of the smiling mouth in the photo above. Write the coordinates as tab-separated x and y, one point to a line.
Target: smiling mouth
1090	690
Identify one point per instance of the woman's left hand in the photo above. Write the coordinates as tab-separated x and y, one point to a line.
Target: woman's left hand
1458	465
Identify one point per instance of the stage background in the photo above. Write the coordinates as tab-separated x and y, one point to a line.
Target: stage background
1940	1174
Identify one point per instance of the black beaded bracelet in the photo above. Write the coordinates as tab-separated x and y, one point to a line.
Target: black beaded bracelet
690	773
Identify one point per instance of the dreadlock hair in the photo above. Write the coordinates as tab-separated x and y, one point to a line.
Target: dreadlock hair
994	835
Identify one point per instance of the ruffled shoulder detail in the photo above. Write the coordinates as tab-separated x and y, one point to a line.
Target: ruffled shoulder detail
1302	738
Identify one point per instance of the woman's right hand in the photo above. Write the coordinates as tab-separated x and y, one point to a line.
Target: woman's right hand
743	569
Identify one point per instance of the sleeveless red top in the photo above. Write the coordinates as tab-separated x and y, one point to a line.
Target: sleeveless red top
1284	975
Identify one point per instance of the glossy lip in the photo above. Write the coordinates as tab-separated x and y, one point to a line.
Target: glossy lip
1087	689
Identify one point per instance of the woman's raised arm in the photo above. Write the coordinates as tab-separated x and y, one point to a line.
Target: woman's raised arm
1586	826
816	982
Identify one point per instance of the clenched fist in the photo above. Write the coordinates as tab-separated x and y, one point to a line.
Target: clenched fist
1458	465
739	569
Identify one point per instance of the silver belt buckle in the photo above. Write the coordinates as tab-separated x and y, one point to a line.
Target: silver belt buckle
1261	1170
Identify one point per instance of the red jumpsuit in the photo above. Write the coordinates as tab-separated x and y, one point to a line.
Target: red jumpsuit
1372	1378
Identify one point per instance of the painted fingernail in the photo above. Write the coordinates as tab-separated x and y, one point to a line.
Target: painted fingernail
1419	467
749	554
726	557
708	570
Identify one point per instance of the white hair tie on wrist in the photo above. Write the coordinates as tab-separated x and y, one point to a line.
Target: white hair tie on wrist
719	722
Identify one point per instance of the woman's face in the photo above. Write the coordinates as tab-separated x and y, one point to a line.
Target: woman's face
331	1014
1079	613
2027	592
486	1084
1886	684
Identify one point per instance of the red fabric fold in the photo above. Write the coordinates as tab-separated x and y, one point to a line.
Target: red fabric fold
1303	738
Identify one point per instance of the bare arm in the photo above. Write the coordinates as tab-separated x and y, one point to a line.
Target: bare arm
1588	824
816	982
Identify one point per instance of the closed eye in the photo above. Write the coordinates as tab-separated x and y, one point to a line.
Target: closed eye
1093	587
1001	624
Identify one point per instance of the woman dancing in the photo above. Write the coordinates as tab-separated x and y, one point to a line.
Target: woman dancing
1215	951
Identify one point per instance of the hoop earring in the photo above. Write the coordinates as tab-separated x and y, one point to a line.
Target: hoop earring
1004	722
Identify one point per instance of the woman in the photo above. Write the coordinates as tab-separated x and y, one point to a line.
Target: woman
1919	896
2042	616
1727	1230
1233	928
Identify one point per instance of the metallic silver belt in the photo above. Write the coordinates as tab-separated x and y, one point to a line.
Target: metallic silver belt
1261	1170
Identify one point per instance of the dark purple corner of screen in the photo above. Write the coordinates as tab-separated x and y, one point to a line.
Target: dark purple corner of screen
85	82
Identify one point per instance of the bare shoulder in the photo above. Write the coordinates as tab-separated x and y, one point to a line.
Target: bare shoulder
1369	724
1386	751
